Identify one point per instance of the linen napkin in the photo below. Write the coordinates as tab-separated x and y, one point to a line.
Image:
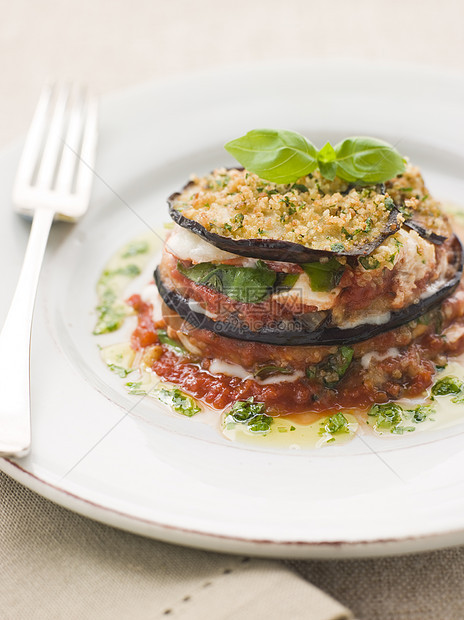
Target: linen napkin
55	564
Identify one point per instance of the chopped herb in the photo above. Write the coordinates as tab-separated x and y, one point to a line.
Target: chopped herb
244	410
400	430
175	346
238	219
368	225
389	203
130	271
369	262
252	415
331	370
260	423
404	211
334	425
227	227
422	412
337	247
292	428
120	371
179	401
136	388
392	417
137	247
346	233
447	385
389	416
110	317
299	187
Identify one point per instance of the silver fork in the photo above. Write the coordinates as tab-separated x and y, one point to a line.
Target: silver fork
53	180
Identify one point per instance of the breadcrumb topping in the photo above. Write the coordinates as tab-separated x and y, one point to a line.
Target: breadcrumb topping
410	194
314	212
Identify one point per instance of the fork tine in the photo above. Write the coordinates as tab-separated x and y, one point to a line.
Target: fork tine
53	141
88	151
32	146
72	142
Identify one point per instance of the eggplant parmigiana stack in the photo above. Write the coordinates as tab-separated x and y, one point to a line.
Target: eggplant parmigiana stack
308	296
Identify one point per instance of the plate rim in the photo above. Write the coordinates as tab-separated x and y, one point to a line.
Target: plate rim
212	541
334	549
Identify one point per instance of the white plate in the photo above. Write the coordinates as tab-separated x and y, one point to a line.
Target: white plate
177	479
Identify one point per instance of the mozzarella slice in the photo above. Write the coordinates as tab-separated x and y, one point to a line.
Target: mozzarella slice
302	293
188	246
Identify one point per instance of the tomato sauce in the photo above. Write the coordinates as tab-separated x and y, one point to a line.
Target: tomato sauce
415	373
302	395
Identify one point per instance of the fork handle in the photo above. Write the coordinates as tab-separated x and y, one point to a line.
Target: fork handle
15	342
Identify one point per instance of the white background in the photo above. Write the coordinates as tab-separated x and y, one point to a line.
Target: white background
110	44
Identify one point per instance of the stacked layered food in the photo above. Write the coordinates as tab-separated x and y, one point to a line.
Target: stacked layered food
308	295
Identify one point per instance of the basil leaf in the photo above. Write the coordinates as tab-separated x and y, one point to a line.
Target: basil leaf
285	281
341	360
324	276
326	160
278	156
367	160
244	284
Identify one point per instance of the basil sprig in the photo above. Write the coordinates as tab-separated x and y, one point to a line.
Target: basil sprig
283	156
275	155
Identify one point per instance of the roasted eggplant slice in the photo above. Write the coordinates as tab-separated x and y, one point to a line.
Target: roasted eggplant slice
242	214
300	331
428	235
278	250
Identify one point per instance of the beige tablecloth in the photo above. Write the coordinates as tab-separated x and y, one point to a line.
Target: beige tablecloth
54	564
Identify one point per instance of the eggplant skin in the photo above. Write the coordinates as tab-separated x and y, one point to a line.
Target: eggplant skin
428	235
275	249
296	333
